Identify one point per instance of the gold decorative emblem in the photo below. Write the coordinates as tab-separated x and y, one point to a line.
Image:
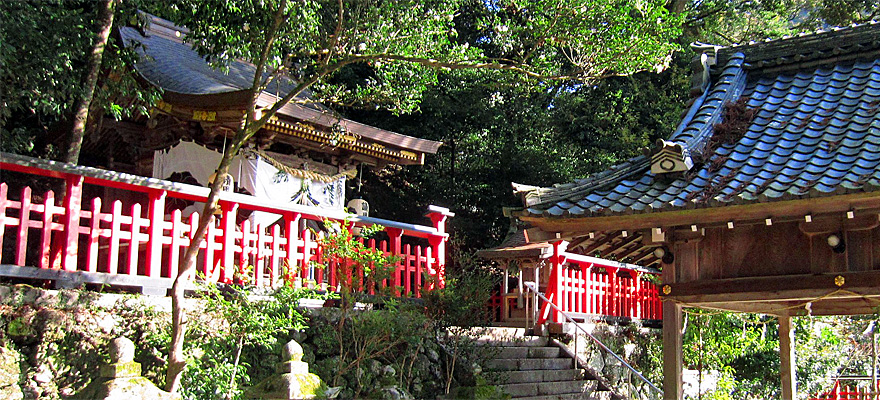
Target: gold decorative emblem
204	115
163	106
839	280
667	289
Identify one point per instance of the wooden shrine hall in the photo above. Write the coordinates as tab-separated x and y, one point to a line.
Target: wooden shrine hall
129	211
765	198
204	105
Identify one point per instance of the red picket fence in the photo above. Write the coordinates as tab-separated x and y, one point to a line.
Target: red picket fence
839	392
139	238
586	287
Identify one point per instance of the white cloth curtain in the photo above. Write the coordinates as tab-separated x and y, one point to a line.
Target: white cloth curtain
255	175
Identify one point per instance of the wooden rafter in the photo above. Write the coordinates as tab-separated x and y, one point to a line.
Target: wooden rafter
624	242
606	238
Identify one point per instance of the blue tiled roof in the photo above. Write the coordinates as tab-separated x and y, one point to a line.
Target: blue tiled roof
174	66
816	132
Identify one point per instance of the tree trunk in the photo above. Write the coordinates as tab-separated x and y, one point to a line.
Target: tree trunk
176	358
93	68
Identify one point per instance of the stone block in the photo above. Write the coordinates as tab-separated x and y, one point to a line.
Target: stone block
293	380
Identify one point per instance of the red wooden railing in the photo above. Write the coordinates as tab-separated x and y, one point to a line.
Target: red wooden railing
587	287
139	239
839	392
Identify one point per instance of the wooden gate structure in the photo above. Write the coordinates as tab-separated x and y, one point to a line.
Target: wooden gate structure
764	199
584	287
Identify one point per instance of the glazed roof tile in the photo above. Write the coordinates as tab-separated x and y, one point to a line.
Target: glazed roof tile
816	132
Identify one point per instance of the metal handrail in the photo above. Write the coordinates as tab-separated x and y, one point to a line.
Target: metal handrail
531	286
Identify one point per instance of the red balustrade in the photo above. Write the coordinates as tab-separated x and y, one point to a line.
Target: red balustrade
839	392
587	287
138	237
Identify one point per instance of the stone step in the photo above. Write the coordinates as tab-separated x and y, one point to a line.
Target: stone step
598	395
550	375
528	352
517	390
528	364
527	341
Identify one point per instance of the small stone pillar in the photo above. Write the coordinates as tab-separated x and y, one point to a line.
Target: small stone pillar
121	379
293	380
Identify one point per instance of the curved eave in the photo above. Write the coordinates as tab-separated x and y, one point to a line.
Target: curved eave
709	214
347	142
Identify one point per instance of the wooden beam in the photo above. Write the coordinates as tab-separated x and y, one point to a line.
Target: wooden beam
787	365
672	350
706	216
768	288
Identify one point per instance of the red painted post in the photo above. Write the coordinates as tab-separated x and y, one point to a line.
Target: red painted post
73	206
46	234
291	232
638	294
24	216
258	262
3	204
407	269
395	237
420	260
565	289
94	235
156	213
193	225
613	294
228	211
557	262
115	225
174	246
383	247
209	269
438	217
308	244
245	250
134	243
276	254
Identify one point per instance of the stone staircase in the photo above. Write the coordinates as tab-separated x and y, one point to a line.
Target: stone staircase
533	367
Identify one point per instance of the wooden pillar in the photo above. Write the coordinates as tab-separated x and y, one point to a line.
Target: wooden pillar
156	213
673	387
787	366
395	236
672	364
438	216
228	214
73	208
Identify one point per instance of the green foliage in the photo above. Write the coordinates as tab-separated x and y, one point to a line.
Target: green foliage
386	54
351	257
496	130
744	348
44	46
240	345
726	22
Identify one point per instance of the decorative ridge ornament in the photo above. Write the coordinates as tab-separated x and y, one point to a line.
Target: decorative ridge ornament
670	157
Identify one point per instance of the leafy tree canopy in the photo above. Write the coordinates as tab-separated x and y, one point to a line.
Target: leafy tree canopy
398	46
44	47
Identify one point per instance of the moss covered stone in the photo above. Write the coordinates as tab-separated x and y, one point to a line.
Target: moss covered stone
293	381
10	375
